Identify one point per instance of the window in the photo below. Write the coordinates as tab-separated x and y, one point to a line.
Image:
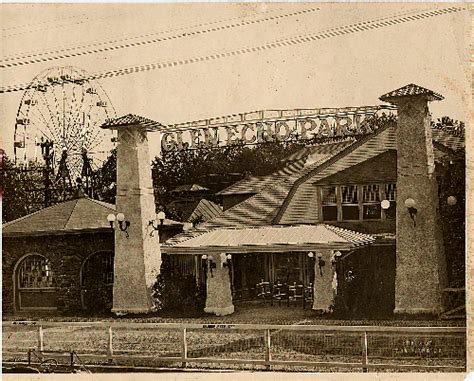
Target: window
390	191
357	202
35	272
108	268
371	209
350	203
329	203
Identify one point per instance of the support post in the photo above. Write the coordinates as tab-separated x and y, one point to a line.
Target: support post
219	293
40	341
365	358
184	348
137	254
110	349
268	354
421	266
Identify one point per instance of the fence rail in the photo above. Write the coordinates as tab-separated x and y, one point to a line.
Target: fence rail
262	345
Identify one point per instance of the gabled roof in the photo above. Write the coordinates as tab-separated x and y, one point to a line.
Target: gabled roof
452	141
82	214
131	120
189	188
297	163
269	238
193	209
409	91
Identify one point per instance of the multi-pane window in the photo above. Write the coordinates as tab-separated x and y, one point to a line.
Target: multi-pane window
350	202
371	209
390	193
329	203
35	272
358	202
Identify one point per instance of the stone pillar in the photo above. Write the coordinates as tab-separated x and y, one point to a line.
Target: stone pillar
421	266
323	290
219	294
137	255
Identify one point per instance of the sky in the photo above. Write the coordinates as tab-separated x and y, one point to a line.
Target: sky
349	70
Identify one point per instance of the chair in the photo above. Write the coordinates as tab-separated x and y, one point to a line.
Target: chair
264	290
280	292
308	295
295	293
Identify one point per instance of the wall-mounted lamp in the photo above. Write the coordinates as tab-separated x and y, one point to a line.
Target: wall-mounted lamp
452	201
160	216
411	206
321	261
227	261
208	262
120	218
335	256
385	204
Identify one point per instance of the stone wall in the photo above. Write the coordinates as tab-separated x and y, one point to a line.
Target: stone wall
66	254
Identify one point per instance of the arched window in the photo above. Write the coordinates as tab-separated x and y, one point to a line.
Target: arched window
97	278
35	272
35	284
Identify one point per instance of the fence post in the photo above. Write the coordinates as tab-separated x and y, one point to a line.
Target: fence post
40	341
184	349
364	351
110	349
268	355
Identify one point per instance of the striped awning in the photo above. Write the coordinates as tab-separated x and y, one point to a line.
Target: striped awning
270	239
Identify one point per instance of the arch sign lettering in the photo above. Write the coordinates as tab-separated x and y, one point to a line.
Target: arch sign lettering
267	126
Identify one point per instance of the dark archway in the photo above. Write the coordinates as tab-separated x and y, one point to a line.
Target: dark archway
97	279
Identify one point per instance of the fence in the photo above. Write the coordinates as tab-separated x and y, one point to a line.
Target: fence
242	346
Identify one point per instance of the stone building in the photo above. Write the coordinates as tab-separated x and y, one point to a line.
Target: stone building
61	258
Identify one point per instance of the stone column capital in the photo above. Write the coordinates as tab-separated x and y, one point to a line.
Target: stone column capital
410	92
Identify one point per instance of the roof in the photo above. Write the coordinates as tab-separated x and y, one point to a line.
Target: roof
193	209
409	91
73	216
131	120
69	216
189	188
270	238
297	162
452	141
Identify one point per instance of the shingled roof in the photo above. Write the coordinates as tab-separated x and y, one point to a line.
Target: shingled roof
74	216
411	90
131	120
67	217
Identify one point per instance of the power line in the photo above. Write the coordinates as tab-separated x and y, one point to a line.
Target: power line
98	49
41	52
330	33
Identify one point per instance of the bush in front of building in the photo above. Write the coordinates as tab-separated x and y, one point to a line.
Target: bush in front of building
174	292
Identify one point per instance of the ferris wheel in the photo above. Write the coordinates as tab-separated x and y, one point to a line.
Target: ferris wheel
64	109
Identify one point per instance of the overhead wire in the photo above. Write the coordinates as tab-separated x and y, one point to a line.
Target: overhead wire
41	52
297	40
98	49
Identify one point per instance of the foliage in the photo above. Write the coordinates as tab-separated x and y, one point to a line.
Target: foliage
105	178
174	292
453	183
20	190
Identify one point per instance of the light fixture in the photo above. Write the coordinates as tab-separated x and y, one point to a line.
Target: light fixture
321	263
228	261
411	206
120	218
161	216
311	254
208	262
385	204
452	201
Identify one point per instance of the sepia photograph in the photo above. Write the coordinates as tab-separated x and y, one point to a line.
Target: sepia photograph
222	189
